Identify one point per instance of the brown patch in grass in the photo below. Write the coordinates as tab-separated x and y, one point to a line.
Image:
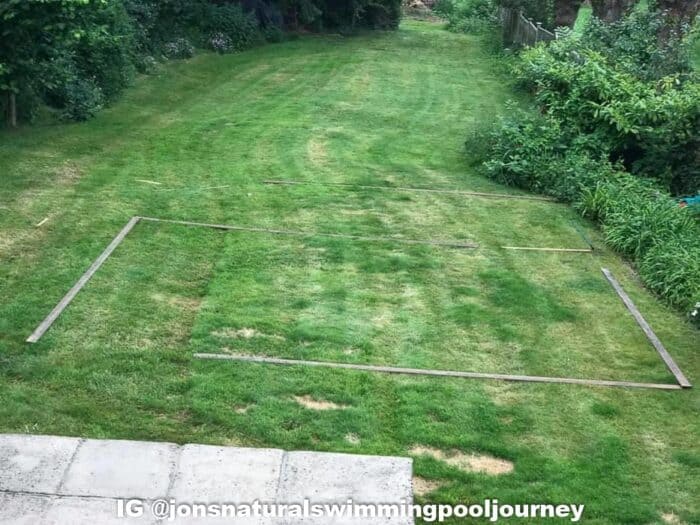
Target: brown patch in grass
353	439
423	487
178	301
317	151
466	462
244	333
315	404
67	174
671	518
242	409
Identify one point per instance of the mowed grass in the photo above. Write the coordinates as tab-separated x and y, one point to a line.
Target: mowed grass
389	109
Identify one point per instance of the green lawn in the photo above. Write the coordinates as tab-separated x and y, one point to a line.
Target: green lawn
386	108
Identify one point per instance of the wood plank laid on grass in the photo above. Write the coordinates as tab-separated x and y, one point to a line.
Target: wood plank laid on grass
446	244
63	303
668	360
439	373
404	188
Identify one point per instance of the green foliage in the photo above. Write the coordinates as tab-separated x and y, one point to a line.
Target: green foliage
633	45
239	29
468	16
653	128
638	218
178	49
82	99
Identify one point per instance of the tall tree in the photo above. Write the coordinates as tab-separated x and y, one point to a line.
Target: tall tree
611	10
678	13
565	12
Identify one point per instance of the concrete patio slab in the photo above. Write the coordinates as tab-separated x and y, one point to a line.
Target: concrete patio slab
34	463
22	509
236	475
89	511
48	480
120	469
333	478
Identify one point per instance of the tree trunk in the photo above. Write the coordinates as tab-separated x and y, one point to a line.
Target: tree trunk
566	12
11	109
611	10
679	13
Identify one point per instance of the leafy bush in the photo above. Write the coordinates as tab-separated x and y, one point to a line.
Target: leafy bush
653	128
468	16
221	43
239	29
179	48
83	99
633	44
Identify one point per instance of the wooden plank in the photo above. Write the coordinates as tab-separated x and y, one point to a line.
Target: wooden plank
63	303
665	356
448	244
404	188
438	373
535	249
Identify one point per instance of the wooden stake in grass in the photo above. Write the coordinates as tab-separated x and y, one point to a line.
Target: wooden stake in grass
653	339
63	303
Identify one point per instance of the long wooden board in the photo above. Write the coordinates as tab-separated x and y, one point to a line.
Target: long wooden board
653	339
439	373
405	188
447	244
63	303
535	249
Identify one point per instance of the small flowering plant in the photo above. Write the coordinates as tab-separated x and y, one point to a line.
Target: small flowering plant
179	48
695	315
221	43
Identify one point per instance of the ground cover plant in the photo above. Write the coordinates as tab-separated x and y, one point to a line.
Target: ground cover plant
195	142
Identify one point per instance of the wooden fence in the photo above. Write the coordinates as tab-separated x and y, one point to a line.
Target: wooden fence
520	31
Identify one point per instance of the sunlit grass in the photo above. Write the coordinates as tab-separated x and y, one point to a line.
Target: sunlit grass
385	108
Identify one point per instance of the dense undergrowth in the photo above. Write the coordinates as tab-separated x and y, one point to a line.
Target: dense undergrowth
616	132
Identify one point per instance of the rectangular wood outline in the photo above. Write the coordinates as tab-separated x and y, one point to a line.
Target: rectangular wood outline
82	281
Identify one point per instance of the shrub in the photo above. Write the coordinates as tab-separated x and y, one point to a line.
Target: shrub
178	48
221	43
82	99
634	45
653	128
468	16
239	29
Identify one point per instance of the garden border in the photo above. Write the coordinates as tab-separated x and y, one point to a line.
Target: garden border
682	382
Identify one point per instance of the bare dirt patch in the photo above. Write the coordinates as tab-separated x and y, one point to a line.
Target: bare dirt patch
178	301
67	174
466	462
244	333
423	487
353	439
315	404
671	518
